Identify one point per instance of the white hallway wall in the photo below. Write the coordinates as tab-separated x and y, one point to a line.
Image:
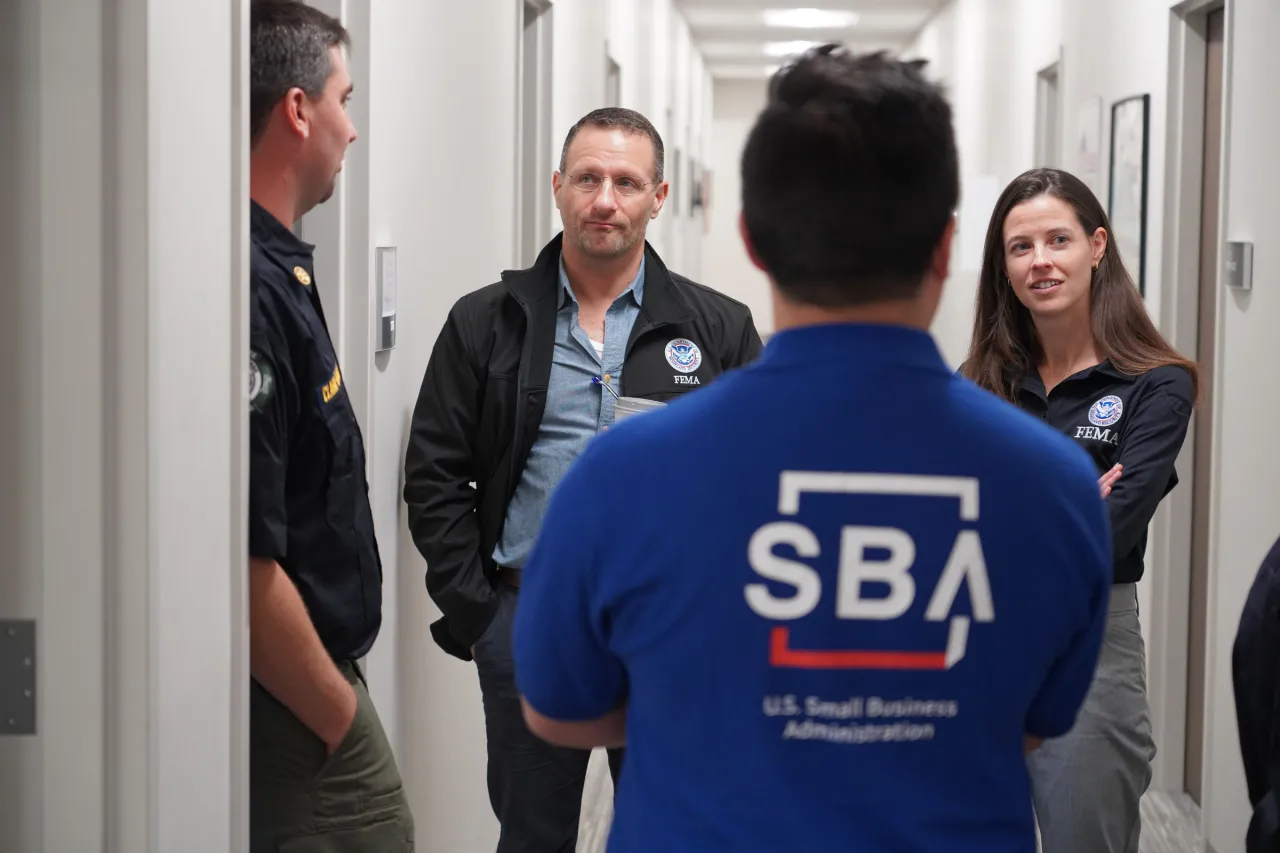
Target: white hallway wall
441	187
966	44
991	101
671	90
980	51
439	163
988	53
663	77
725	264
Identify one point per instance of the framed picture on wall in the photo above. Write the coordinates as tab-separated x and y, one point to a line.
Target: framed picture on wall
1127	201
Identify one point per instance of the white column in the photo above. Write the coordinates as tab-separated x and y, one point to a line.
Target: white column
125	293
196	420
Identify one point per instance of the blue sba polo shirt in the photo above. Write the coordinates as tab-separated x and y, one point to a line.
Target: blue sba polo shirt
834	590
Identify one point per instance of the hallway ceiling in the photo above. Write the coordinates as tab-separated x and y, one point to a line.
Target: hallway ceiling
738	42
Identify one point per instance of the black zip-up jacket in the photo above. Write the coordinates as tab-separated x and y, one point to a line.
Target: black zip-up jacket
481	405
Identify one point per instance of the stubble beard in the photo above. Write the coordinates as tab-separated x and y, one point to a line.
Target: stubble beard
608	246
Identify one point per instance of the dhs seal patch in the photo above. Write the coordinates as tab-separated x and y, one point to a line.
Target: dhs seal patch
1106	411
684	355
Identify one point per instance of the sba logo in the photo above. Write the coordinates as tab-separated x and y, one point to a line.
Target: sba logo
964	566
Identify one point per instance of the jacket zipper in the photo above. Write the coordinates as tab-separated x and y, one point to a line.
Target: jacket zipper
522	396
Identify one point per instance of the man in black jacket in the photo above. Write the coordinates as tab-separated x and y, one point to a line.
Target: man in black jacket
523	374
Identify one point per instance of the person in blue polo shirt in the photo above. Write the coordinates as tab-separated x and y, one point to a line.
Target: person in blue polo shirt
829	601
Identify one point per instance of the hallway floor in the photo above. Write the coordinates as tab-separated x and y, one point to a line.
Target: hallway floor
1169	821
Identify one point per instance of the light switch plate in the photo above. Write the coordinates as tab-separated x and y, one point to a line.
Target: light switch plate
385	270
1237	265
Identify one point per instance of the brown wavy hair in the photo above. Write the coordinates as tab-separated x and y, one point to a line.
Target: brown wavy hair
1005	345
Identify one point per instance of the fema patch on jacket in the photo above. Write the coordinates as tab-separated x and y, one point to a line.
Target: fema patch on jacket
684	355
1106	411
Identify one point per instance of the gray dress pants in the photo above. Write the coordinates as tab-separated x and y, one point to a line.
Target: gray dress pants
1088	783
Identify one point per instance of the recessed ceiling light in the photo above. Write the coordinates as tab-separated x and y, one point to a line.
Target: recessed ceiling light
787	48
810	19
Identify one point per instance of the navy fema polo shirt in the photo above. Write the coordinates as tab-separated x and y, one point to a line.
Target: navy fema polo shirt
834	591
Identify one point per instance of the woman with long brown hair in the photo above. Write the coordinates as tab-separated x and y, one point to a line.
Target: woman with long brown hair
1061	332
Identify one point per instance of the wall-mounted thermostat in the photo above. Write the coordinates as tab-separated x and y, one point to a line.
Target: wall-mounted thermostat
385	270
1237	265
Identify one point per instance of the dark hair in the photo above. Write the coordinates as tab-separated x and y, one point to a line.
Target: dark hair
289	45
849	178
1005	345
617	118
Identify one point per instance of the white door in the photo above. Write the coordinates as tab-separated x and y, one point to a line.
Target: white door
123	297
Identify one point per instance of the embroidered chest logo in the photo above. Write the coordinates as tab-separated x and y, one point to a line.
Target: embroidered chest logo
684	355
1106	411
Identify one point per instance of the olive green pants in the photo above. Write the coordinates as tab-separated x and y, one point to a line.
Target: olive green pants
302	801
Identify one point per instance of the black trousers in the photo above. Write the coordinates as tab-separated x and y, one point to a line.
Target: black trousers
535	788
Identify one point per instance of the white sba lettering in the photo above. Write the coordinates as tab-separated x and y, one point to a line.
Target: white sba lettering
965	565
769	565
856	568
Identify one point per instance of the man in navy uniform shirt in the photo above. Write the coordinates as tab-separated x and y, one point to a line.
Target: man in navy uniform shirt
322	776
830	600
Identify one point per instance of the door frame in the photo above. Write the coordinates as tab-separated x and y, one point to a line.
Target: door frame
1167	655
533	211
1048	139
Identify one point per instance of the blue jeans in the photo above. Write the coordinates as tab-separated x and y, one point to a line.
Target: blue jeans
1087	784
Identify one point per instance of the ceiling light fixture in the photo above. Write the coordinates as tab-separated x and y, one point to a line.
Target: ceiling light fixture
810	19
787	48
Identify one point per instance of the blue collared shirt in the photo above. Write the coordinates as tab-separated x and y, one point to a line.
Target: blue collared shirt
576	410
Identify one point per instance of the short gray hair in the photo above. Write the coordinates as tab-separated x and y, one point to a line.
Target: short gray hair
617	118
